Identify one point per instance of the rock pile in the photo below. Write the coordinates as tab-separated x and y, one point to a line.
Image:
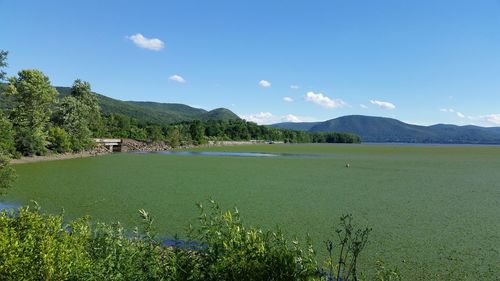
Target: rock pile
135	145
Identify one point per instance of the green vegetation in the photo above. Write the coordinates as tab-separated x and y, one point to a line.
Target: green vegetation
36	246
3	64
38	120
381	129
7	144
78	114
144	112
434	210
33	98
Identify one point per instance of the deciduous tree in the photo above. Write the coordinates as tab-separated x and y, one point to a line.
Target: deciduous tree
80	115
3	63
34	99
7	146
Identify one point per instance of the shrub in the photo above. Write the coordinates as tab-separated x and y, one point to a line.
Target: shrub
59	140
232	251
37	246
7	174
40	247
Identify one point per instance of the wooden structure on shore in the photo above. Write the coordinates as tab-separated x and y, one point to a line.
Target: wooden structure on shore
114	145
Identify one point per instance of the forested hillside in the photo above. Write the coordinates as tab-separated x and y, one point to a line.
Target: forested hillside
381	129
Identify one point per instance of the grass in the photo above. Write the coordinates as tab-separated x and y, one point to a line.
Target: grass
434	211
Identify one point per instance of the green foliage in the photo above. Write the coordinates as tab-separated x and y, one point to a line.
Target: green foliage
174	137
156	113
7	145
155	133
3	63
75	121
302	193
37	246
197	131
34	246
33	98
138	133
7	174
79	115
232	251
59	140
82	91
350	242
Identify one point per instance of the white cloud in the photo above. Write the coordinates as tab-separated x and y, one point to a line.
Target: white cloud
447	110
489	118
292	118
492	118
264	84
383	104
323	100
140	41
288	99
264	118
363	106
177	78
294	87
451	110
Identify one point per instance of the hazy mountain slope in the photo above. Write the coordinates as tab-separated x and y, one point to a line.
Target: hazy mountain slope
381	129
375	129
299	126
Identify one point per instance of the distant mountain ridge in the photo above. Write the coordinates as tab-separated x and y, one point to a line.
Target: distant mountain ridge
163	113
145	111
382	129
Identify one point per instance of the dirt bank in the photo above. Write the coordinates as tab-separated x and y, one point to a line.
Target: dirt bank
52	157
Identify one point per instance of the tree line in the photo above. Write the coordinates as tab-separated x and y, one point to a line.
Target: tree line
199	132
39	122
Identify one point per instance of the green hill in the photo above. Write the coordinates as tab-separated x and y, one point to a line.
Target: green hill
162	113
220	114
381	129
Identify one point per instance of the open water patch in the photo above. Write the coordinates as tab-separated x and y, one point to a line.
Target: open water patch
8	206
219	153
236	154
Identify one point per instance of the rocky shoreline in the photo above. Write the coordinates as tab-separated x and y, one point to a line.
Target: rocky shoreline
128	145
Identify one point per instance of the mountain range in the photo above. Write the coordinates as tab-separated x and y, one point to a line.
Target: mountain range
369	128
145	111
381	129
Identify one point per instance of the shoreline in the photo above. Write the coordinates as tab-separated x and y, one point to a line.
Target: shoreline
137	146
54	157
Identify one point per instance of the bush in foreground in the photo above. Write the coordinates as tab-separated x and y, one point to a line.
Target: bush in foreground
37	246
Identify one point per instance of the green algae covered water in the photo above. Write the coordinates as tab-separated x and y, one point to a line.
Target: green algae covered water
434	210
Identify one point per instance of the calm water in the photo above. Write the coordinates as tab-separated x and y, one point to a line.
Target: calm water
7	206
218	153
237	154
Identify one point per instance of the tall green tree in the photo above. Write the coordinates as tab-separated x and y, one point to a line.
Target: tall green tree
80	115
3	63
174	137
75	123
82	91
197	131
7	146
34	98
7	174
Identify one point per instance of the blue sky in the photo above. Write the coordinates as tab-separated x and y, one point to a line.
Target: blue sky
423	62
